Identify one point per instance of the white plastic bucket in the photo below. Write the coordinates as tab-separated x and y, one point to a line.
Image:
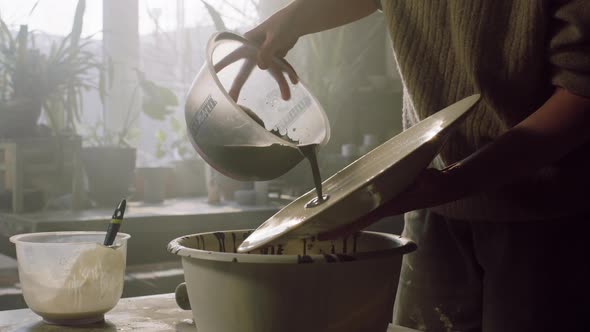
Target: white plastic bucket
304	285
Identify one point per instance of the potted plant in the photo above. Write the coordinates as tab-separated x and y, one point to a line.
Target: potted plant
54	81
109	157
188	167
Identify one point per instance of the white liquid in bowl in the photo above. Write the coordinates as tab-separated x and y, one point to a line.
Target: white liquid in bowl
92	286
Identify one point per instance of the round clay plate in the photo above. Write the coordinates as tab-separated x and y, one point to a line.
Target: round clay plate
365	184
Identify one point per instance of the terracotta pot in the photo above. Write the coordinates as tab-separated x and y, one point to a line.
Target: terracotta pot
190	177
220	187
110	173
18	118
154	181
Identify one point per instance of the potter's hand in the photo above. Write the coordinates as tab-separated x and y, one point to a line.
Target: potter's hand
431	188
279	33
275	69
274	39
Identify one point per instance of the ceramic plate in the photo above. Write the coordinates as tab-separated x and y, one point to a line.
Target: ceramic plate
365	184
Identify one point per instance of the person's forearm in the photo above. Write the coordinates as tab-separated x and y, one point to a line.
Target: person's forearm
318	15
555	129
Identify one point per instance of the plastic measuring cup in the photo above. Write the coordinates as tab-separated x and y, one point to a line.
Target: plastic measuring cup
233	142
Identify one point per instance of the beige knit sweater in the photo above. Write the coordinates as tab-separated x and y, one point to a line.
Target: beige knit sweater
513	52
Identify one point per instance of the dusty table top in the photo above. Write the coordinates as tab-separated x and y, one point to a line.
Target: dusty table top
148	313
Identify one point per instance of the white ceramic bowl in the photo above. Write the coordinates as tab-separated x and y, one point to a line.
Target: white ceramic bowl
68	278
231	141
304	285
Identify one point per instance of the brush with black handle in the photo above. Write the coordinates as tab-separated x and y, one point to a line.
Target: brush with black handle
115	224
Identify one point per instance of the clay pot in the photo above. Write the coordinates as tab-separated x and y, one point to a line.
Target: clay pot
18	118
110	173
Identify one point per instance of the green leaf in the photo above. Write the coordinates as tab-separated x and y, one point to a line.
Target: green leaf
155	110
60	52
157	100
79	106
77	26
167	97
102	90
33	8
6	32
175	125
110	70
160	136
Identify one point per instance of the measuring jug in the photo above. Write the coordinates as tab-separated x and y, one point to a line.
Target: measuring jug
251	147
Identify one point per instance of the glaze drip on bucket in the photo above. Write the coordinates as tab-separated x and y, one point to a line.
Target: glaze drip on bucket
225	242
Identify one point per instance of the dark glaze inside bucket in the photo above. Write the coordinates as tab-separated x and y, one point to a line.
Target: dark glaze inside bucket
357	246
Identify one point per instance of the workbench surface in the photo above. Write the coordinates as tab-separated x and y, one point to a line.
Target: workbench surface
148	313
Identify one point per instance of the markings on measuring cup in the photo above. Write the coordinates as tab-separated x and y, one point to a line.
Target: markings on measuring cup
202	113
293	114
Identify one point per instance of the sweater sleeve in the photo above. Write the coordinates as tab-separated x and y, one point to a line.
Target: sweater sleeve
569	46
